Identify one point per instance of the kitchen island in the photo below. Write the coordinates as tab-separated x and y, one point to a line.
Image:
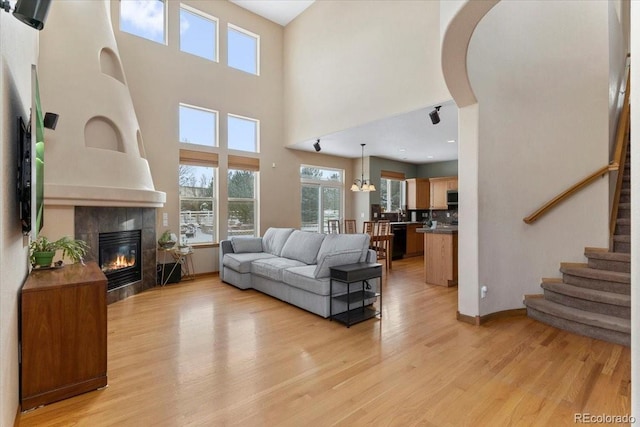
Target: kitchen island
440	255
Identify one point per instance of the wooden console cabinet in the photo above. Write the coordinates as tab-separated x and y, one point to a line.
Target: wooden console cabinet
63	320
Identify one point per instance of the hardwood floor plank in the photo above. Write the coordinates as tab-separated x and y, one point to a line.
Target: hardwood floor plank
203	353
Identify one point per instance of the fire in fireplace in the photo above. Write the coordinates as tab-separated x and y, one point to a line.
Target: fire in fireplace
119	257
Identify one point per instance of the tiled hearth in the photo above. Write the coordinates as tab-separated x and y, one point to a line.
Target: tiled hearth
90	221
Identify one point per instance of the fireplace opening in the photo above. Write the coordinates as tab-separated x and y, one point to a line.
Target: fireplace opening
120	257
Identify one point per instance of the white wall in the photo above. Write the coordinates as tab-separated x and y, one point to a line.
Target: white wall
352	62
541	129
18	50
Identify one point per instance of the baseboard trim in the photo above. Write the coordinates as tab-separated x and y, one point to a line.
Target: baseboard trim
480	320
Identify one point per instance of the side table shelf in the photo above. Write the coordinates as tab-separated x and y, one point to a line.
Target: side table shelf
365	295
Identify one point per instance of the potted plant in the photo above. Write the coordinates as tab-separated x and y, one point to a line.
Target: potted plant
42	250
167	240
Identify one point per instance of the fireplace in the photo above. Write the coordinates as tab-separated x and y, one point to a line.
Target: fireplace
119	257
91	222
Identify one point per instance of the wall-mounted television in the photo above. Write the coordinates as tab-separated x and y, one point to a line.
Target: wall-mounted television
31	164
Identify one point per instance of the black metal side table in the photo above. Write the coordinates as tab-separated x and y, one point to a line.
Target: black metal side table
351	273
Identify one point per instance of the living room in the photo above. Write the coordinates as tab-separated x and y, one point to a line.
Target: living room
294	97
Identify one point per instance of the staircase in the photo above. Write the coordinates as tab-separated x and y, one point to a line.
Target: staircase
594	299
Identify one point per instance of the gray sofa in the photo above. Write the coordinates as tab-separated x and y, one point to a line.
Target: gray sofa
293	265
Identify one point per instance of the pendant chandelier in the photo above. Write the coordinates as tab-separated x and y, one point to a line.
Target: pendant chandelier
362	184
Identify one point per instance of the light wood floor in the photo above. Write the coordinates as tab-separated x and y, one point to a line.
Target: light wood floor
204	353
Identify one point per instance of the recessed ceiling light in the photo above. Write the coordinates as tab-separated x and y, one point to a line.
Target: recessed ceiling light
402	150
451	141
429	157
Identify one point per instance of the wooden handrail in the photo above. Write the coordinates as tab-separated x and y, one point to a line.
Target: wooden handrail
617	164
568	192
620	155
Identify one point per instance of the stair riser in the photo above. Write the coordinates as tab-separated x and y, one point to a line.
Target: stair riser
601	285
581	329
602	264
623	230
625	198
624	212
591	306
623	247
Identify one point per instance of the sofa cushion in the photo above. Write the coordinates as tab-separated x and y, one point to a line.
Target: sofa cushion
274	239
304	278
303	246
242	244
333	243
350	256
242	262
272	268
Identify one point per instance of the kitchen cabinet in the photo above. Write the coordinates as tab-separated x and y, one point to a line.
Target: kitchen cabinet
415	246
441	258
418	193
438	188
63	336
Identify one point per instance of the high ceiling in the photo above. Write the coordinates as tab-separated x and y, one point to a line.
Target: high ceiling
409	137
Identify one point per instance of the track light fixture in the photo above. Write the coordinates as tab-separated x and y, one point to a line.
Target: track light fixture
316	145
50	120
31	12
434	116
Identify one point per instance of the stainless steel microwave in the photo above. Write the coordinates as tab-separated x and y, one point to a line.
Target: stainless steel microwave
452	199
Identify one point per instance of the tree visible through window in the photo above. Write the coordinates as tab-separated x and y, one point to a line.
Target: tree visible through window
197	190
241	187
321	197
392	194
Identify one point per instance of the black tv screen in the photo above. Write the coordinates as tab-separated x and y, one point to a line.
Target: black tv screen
31	164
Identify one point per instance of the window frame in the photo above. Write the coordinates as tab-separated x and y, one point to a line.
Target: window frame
321	184
216	133
165	24
255	199
209	160
257	133
208	17
403	193
246	32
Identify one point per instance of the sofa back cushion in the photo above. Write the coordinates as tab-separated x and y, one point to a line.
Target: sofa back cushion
244	244
344	242
274	239
349	256
303	246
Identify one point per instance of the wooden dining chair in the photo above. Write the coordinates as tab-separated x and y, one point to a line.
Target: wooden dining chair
333	226
369	228
382	242
350	226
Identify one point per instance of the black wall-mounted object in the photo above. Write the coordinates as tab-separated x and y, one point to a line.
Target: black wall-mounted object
50	120
32	12
24	175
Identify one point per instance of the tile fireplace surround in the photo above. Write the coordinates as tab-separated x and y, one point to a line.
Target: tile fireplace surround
90	221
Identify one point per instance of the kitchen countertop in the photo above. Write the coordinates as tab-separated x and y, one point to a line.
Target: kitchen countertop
448	229
405	222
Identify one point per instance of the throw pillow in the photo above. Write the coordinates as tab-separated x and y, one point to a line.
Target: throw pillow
246	244
337	258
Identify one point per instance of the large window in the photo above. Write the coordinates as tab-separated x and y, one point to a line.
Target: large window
243	50
144	18
392	194
198	33
243	203
198	203
322	194
243	133
198	126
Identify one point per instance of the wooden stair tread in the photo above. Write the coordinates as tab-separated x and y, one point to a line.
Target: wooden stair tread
588	294
624	238
607	255
592	273
580	316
